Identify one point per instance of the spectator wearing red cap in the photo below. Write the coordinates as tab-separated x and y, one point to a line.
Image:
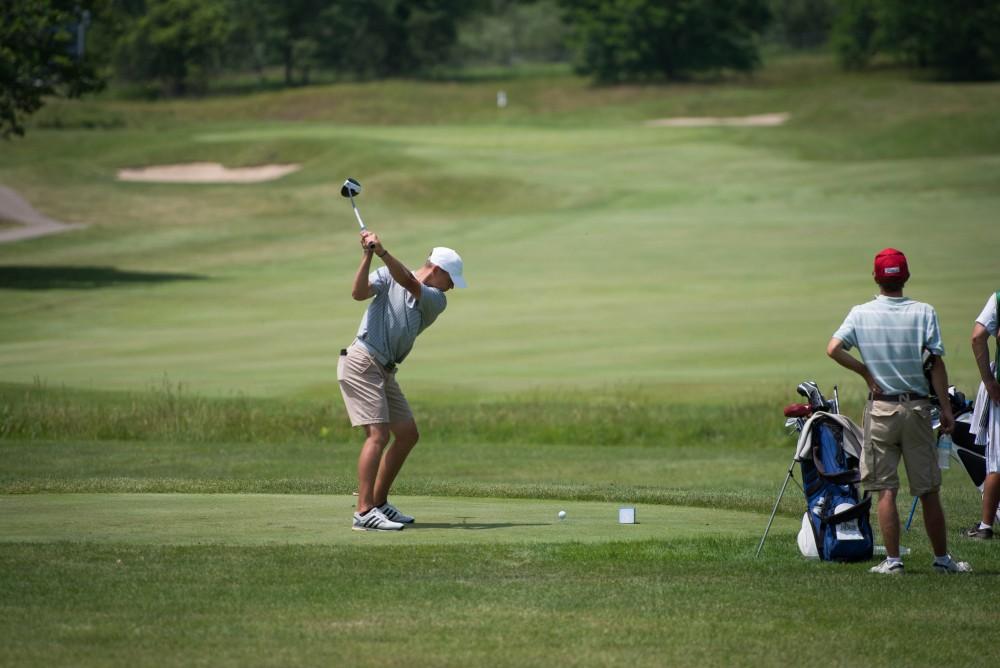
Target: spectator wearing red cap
891	333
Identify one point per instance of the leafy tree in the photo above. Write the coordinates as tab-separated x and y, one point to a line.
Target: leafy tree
629	39
251	37
856	34
802	24
177	43
382	38
507	31
42	54
291	31
958	38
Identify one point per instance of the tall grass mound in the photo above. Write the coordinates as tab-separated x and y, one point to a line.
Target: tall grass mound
173	413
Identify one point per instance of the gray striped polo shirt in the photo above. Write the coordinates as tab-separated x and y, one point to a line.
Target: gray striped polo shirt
891	333
394	318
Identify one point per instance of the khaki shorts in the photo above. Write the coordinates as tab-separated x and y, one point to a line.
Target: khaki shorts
895	429
371	393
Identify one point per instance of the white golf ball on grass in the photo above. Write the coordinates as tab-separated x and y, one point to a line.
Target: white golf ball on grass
562	514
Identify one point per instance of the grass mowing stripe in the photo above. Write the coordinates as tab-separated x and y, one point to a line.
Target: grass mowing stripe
229	519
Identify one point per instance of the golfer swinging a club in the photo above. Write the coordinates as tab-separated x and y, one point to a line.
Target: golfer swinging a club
404	305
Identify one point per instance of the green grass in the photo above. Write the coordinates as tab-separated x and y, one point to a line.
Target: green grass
643	301
285	519
723	257
677	602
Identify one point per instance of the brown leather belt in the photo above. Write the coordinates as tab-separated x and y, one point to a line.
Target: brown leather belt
906	396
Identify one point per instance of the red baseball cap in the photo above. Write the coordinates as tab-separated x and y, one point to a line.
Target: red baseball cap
890	266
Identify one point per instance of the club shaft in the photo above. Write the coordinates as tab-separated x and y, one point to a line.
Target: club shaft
357	214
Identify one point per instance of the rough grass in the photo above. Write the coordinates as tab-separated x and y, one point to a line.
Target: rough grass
172	413
677	602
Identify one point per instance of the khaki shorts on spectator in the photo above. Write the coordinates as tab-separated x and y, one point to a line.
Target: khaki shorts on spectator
371	393
894	430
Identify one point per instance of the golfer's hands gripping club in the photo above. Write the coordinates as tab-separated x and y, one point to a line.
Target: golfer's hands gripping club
371	243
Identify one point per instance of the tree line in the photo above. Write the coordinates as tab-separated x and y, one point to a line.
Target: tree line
178	47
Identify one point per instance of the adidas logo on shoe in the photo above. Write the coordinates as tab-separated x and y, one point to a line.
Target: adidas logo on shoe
889	568
392	513
374	520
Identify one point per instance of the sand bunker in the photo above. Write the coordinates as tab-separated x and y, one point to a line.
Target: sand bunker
761	120
206	172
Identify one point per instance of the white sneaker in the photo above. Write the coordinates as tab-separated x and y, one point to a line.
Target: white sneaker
952	566
374	520
392	513
889	568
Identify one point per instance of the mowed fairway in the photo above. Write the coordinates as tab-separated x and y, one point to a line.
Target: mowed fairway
286	519
176	469
599	251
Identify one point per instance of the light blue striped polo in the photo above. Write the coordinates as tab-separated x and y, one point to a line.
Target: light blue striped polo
394	318
891	333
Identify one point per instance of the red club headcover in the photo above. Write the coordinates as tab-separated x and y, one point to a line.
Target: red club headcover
798	410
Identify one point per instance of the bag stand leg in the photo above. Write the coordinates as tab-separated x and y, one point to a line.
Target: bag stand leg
913	509
775	509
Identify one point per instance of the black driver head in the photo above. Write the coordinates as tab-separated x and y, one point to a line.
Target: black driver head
810	390
350	188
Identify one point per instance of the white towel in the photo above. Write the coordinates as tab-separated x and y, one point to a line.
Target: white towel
986	425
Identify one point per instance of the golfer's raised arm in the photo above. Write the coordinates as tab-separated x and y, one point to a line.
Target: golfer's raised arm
362	289
399	272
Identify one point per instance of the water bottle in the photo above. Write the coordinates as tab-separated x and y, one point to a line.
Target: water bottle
880	549
944	451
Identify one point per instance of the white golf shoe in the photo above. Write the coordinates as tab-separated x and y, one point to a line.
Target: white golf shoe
889	568
392	513
374	520
952	566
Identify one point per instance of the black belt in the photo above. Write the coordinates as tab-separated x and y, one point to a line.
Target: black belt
905	396
391	367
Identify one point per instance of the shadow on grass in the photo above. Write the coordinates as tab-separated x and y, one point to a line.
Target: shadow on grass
18	277
475	526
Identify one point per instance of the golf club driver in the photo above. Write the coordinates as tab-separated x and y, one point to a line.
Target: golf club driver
810	390
351	188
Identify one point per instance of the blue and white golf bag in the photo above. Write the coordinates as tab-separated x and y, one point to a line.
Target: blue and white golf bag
836	525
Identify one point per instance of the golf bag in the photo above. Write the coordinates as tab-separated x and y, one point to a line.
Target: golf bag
971	455
836	525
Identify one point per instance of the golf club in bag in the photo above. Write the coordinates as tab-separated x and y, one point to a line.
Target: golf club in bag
836	524
965	450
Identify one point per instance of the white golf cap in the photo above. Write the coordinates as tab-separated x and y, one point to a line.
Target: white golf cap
451	262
